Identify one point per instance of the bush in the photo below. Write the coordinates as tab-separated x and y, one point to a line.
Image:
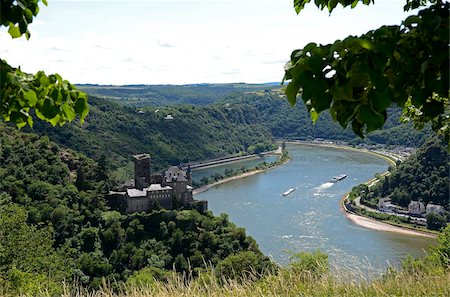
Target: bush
310	264
435	222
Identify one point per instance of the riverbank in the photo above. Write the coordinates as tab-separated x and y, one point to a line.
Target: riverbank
374	224
390	159
243	175
360	220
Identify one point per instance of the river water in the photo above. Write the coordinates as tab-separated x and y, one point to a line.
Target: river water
309	219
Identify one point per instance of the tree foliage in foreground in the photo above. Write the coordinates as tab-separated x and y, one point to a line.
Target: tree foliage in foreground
22	94
358	78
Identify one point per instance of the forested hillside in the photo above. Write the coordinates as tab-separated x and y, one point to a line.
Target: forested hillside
55	226
194	133
162	95
275	113
285	121
424	176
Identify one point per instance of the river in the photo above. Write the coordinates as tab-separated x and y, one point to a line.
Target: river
309	219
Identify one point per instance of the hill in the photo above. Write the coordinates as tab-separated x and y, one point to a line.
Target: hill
424	176
56	225
285	121
274	111
192	133
163	95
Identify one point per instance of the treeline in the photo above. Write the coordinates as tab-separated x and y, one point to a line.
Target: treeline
424	176
268	105
56	225
287	122
195	133
163	95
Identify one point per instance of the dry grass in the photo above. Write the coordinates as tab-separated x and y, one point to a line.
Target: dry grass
288	283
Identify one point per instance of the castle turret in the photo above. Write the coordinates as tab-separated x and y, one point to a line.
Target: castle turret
189	175
141	171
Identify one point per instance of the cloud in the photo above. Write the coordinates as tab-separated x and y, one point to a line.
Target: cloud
231	72
102	47
278	61
164	44
57	49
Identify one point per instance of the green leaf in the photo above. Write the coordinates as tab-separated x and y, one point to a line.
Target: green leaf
379	100
291	91
314	115
30	97
69	111
373	119
45	2
14	31
81	107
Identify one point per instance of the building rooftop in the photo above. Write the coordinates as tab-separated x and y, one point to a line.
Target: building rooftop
134	193
141	156
158	187
174	172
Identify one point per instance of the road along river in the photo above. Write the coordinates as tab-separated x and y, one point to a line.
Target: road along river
309	218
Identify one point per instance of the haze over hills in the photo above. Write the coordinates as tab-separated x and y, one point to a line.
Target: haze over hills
161	95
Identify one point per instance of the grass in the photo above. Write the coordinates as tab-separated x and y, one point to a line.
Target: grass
308	275
288	283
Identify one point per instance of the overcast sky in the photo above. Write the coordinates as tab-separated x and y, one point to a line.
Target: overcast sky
181	42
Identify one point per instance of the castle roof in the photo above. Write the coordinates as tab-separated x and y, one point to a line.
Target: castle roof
157	187
136	193
141	156
175	173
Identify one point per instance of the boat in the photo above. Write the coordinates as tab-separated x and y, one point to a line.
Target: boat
338	178
288	192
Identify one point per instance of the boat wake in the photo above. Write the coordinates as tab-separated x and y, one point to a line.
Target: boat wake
324	186
321	188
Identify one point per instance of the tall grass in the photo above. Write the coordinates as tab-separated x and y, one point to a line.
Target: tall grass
407	281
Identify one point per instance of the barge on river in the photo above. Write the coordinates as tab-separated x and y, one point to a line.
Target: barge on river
338	178
288	192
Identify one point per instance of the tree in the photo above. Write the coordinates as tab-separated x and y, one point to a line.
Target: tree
50	97
436	222
358	78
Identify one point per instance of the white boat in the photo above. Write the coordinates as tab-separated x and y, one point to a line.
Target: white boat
338	178
288	192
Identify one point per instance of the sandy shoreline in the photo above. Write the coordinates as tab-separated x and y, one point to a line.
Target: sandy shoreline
374	224
380	226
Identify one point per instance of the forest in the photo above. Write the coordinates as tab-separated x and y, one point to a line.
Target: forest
56	225
422	177
195	132
269	106
287	122
162	95
230	124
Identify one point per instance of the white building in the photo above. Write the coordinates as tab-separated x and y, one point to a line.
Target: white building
416	208
436	209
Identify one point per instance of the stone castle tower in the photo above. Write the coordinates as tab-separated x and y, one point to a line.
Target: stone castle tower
142	172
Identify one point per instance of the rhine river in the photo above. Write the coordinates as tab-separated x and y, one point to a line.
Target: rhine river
309	219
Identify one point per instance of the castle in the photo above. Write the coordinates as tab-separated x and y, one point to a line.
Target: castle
170	190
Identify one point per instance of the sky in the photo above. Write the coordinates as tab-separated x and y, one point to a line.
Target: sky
181	42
